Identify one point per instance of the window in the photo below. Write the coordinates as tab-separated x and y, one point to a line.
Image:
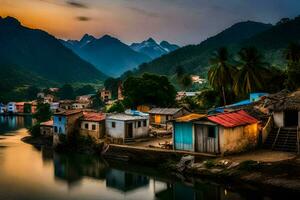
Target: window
211	132
113	124
145	123
55	129
59	119
86	126
93	127
139	124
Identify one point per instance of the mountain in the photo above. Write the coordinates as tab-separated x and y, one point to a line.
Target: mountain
194	58
41	55
152	49
108	54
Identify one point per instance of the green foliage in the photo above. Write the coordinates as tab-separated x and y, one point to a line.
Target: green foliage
292	56
117	107
112	85
186	81
97	103
86	89
66	92
43	112
149	89
32	92
208	98
35	130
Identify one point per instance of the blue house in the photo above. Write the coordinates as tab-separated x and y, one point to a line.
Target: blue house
2	108
66	122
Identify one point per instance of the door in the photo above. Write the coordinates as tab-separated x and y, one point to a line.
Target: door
129	130
206	139
291	118
157	119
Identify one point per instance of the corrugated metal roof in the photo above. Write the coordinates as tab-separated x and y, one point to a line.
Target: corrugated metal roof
164	111
125	117
189	117
233	119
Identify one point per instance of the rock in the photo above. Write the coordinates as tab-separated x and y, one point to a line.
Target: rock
233	164
185	162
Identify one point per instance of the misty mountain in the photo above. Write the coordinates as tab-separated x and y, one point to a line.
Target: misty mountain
154	50
107	53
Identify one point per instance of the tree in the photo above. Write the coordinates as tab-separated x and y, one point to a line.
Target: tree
32	92
43	112
149	89
97	102
86	89
292	55
220	75
116	107
180	71
112	85
66	92
186	81
249	76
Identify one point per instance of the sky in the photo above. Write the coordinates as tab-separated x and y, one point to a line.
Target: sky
178	21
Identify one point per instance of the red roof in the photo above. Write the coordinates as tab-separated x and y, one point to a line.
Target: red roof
47	123
92	116
233	119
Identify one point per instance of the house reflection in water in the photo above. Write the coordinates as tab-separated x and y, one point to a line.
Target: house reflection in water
72	168
125	181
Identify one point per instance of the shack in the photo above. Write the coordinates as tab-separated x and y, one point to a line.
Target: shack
285	108
218	134
46	128
124	128
161	116
92	125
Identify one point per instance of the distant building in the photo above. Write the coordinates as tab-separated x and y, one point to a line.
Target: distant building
120	92
81	105
20	107
11	107
54	106
182	94
2	108
124	127
66	122
160	116
92	124
197	79
223	133
105	95
34	106
66	104
85	98
46	128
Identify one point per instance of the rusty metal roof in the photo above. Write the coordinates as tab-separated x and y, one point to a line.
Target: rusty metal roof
47	123
93	116
233	119
190	117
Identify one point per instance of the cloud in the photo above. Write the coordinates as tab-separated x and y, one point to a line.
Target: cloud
76	4
83	18
143	11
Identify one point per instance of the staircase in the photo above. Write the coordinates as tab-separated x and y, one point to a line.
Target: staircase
283	139
128	140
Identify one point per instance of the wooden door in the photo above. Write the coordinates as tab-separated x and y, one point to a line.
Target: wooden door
206	139
129	130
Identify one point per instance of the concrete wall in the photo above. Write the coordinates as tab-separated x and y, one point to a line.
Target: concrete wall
278	119
238	139
97	133
118	131
142	131
73	123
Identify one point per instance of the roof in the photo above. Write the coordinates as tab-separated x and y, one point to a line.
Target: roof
67	112
233	119
93	116
164	111
190	117
125	117
47	123
136	112
283	100
20	103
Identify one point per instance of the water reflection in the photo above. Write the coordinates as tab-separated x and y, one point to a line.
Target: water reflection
11	123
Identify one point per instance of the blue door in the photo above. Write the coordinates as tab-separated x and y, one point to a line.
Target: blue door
183	136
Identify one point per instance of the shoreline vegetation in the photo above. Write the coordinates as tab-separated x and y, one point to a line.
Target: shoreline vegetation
280	175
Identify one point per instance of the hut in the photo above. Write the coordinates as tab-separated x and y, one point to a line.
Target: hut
221	133
285	108
161	116
46	128
124	128
92	125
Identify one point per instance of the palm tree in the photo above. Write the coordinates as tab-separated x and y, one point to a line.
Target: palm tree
292	55
220	73
251	66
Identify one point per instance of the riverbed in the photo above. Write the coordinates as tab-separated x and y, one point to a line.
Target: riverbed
27	172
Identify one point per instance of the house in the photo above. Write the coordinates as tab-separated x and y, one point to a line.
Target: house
285	108
80	105
2	108
34	106
54	106
160	116
49	98
11	107
66	122
120	92
124	127
46	128
180	95
218	134
85	98
20	107
105	95
92	124
66	104
197	79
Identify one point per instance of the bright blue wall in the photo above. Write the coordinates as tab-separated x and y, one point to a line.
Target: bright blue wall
61	125
183	136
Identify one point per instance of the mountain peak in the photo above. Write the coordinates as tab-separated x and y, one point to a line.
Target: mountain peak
87	37
9	21
151	40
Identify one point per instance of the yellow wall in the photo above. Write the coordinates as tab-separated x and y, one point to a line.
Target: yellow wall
234	140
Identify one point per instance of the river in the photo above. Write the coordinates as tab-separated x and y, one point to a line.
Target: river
31	173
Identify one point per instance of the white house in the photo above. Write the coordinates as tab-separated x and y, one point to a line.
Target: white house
2	108
11	107
124	126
